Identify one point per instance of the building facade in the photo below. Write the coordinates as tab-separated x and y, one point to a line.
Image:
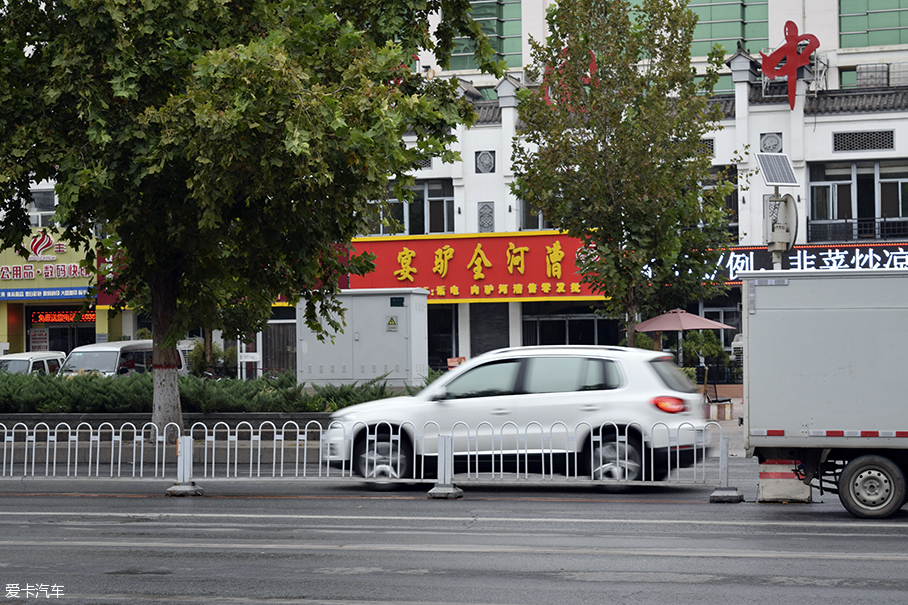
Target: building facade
486	257
841	119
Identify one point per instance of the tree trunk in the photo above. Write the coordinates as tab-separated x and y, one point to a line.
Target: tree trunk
166	402
209	361
632	324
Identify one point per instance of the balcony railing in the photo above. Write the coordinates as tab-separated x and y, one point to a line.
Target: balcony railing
848	230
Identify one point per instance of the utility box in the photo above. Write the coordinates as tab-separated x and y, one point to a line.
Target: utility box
386	334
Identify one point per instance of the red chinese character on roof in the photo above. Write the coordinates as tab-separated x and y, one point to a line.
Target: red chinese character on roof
792	57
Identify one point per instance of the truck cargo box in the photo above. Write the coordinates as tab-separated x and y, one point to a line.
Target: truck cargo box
826	379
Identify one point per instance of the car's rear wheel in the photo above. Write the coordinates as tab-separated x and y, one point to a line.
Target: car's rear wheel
381	456
614	460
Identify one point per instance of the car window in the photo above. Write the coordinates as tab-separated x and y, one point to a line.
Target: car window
14	366
127	362
554	374
38	367
488	380
53	365
95	361
141	360
568	374
671	376
601	375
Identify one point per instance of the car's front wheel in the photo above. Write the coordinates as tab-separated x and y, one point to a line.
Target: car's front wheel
381	457
611	459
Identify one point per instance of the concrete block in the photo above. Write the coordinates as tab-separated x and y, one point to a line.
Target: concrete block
779	483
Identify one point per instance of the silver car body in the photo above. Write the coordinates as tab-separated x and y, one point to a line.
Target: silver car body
566	399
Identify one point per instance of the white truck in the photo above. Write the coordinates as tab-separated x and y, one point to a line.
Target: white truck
826	380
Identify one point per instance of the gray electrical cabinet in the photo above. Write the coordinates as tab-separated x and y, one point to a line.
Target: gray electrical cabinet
386	335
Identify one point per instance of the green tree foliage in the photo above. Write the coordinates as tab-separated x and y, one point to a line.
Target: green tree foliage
611	151
229	149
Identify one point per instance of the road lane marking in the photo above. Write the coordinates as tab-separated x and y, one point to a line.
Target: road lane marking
685	553
843	523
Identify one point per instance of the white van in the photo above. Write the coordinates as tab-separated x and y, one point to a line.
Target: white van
34	362
114	359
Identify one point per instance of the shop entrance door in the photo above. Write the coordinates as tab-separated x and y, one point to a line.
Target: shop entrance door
66	337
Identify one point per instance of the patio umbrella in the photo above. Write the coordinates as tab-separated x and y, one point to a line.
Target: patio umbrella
679	320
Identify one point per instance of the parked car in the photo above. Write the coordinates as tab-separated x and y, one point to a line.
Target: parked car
114	359
610	412
34	362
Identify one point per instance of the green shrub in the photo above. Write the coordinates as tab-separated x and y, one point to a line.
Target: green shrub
431	377
196	357
92	393
133	394
332	397
642	340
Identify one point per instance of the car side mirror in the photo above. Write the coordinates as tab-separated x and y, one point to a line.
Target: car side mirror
123	371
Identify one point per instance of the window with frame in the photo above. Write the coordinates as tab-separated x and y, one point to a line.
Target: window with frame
862	199
830	191
894	189
726	22
531	218
865	23
41	209
430	211
500	20
727	173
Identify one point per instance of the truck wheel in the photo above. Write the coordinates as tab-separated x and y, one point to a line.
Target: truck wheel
872	487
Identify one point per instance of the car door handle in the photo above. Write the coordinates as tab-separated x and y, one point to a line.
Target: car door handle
500	412
589	408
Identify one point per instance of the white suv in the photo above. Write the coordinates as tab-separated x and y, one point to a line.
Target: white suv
120	358
35	362
600	412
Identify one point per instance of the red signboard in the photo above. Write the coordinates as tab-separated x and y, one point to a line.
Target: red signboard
492	267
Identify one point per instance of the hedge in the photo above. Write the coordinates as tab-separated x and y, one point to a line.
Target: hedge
38	393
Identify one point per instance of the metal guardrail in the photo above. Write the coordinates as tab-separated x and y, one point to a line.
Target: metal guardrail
301	451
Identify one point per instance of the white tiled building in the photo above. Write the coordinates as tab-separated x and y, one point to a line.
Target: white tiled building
846	136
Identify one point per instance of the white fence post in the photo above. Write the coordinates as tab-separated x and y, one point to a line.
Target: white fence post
184	486
445	488
724	493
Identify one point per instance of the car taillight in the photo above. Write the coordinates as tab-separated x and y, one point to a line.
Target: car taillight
672	405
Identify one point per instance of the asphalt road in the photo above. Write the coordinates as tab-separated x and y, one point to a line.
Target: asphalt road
306	542
121	541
